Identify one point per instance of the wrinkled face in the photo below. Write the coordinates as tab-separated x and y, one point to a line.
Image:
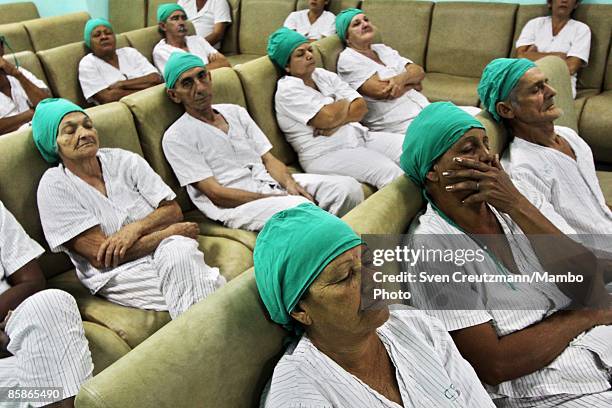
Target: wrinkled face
193	89
474	144
333	300
302	62
535	101
562	8
175	25
317	6
103	40
77	139
360	30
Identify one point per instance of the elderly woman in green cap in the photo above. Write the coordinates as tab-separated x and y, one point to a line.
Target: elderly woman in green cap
518	336
548	160
107	74
320	114
115	218
308	271
389	82
172	25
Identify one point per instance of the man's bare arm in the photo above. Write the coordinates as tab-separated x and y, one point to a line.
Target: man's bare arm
217	33
25	282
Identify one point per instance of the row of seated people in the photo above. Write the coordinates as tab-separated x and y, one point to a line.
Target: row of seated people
107	234
108	73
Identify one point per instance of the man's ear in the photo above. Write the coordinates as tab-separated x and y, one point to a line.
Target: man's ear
505	110
301	315
172	95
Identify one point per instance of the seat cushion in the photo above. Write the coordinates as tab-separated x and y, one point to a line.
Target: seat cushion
605	182
581	97
50	32
595	125
17	37
216	229
17	12
237	59
444	87
105	346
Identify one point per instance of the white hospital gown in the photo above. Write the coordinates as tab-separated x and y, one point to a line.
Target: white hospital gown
582	368
44	330
172	278
574	39
196	45
430	372
571	186
370	157
18	102
323	26
197	151
204	20
95	74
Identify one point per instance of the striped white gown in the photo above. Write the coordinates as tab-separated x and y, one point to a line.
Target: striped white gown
430	372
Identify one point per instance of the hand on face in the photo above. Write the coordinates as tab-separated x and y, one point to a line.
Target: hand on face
486	182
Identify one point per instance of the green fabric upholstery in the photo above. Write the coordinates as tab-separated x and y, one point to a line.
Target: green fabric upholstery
599	19
29	61
61	65
581	97
105	346
329	48
259	79
17	12
451	48
127	15
221	374
595	125
50	32
144	40
17	37
404	25
335	6
608	79
258	19
457	89
152	11
605	181
525	13
229	44
237	59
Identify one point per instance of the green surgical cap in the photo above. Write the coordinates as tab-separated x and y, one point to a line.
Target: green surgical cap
282	43
291	251
45	123
343	20
164	11
498	79
178	63
91	25
430	135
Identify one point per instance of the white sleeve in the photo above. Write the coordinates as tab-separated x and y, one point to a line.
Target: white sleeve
352	70
298	103
91	80
291	21
221	11
330	28
581	44
261	144
205	45
342	89
161	53
188	165
16	247
391	55
143	66
32	78
62	215
148	183
528	34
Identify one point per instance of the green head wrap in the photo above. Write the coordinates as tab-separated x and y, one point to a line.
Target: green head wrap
91	25
164	11
430	135
292	250
499	78
45	123
282	43
178	63
343	20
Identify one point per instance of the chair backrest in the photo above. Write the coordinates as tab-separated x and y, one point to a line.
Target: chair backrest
17	12
21	170
335	6
608	80
406	29
154	112
51	32
329	48
127	15
17	37
29	61
144	40
525	13
259	19
61	65
259	78
453	49
229	45
152	6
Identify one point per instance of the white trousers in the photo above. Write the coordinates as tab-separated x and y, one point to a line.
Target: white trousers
48	344
376	162
336	194
173	279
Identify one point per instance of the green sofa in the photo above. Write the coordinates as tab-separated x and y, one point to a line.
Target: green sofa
16	12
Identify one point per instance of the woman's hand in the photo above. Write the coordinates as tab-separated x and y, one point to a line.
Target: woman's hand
113	249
